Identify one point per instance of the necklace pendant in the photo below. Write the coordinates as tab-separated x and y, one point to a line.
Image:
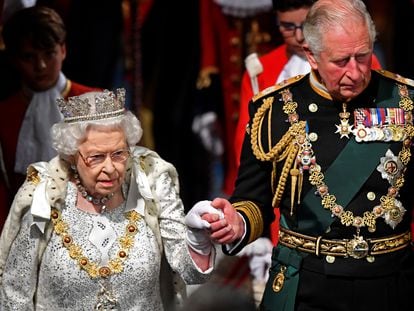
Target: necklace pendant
344	129
357	247
106	298
279	280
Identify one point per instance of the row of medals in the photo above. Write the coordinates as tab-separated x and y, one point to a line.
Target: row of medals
376	133
362	133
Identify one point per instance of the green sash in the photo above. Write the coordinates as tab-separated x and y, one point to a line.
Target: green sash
359	160
363	159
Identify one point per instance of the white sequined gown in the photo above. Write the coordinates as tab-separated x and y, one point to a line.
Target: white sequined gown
62	285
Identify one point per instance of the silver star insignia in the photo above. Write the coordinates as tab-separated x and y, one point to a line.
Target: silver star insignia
344	129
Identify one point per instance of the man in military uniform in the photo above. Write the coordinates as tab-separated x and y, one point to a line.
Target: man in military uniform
332	150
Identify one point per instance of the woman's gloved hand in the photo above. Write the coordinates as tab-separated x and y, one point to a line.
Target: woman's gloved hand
198	236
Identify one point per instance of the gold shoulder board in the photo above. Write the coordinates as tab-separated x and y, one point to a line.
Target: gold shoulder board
277	87
396	77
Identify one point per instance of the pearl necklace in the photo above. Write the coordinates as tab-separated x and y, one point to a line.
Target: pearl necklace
101	202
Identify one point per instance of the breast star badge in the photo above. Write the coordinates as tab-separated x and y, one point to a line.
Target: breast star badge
344	129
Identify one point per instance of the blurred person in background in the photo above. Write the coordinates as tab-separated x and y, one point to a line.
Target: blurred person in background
34	39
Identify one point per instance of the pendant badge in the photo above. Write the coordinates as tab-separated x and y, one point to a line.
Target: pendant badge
106	298
344	129
357	247
279	280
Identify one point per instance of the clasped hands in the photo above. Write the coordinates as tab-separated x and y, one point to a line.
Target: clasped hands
211	222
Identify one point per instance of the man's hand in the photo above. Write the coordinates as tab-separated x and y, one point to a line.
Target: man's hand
228	229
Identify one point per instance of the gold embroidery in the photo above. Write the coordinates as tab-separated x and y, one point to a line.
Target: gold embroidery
287	148
252	212
33	177
279	280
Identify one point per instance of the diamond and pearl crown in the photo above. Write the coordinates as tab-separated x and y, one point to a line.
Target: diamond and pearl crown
92	106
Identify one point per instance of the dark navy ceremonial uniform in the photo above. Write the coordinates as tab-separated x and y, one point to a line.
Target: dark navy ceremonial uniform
369	173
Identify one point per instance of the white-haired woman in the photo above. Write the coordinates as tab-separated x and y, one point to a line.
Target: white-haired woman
89	229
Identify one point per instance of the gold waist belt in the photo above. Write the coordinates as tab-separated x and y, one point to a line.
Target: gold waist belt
356	248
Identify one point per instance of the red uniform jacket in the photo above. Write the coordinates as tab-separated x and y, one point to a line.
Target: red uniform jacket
223	46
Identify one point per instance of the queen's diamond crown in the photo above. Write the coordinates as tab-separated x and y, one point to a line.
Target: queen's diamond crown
92	106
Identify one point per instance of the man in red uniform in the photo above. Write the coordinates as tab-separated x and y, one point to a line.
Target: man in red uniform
229	30
35	43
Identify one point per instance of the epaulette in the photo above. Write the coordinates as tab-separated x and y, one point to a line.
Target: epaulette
395	77
277	87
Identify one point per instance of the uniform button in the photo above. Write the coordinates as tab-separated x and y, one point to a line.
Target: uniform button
235	116
313	136
370	259
234	41
247	129
371	196
330	259
313	107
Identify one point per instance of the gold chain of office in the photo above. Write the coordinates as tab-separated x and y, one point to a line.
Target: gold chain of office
115	265
288	148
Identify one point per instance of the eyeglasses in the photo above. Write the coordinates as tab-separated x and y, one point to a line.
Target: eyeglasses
289	28
94	160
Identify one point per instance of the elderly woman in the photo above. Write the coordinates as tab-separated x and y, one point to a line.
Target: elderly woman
89	229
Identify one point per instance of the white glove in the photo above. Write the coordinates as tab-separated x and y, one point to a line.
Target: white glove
254	67
260	258
198	238
207	127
